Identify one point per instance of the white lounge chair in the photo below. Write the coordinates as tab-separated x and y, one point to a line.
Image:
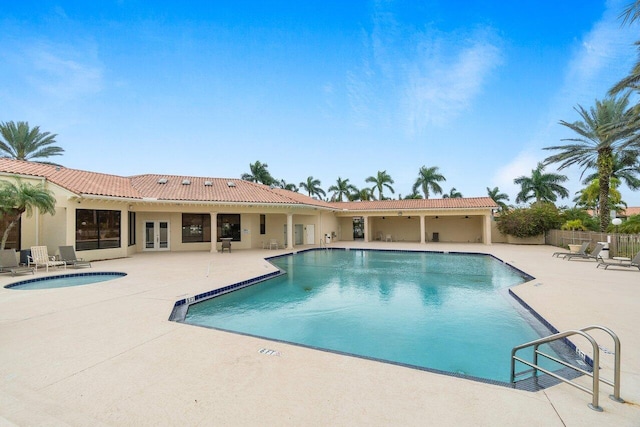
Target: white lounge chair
40	257
68	255
9	263
582	250
633	262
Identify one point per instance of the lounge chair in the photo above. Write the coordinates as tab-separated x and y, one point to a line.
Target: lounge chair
595	254
40	257
68	255
582	251
633	262
9	263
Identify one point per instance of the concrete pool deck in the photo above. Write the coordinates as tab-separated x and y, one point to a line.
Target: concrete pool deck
106	353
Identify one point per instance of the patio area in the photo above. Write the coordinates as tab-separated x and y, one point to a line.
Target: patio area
106	353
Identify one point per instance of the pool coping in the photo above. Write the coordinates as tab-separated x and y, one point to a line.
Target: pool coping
58	276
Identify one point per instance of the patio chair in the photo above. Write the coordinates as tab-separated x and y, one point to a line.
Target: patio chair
620	262
40	257
595	254
9	263
581	251
226	244
68	255
273	244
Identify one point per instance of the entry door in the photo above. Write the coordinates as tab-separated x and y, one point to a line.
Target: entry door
156	235
297	234
311	234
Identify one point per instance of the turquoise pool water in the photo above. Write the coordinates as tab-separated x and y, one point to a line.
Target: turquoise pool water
447	312
63	281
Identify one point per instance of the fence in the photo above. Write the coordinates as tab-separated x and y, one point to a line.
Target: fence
626	245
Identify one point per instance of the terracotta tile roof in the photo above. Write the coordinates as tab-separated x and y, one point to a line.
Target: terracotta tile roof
413	204
201	189
631	210
76	181
231	190
147	186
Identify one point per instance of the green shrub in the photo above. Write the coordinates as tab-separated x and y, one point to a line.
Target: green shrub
529	222
574	224
630	226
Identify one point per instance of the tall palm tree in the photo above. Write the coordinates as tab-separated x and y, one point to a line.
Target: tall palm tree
453	194
589	197
602	136
342	188
312	187
428	179
626	168
381	180
630	15
259	173
287	186
499	198
543	187
18	198
22	143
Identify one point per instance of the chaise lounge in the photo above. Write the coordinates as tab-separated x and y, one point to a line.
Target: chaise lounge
629	262
68	255
9	263
581	251
595	254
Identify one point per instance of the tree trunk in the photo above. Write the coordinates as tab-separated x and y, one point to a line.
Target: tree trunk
605	168
5	236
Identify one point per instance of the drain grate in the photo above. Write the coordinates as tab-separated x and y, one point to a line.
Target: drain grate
269	352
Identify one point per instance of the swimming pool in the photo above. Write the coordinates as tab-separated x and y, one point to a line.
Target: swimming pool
436	311
64	280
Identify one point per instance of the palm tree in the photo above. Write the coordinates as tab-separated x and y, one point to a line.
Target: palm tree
602	135
18	198
626	168
259	173
630	14
312	186
453	194
589	196
413	195
381	180
427	181
342	188
21	143
499	198
543	187
286	186
364	194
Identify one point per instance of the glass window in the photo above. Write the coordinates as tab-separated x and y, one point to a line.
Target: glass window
97	229
132	228
263	224
196	228
13	240
229	226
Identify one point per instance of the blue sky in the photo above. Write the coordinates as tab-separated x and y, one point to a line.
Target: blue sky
323	88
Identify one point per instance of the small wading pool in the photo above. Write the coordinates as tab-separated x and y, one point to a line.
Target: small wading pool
64	280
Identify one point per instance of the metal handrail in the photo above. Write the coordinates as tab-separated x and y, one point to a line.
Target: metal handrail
595	389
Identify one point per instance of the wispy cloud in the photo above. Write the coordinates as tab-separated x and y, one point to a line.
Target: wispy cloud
419	77
63	72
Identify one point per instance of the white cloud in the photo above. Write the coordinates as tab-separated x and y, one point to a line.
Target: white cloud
521	165
62	72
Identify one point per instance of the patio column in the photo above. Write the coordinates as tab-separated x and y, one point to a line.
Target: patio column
290	231
70	238
422	228
487	229
366	228
214	231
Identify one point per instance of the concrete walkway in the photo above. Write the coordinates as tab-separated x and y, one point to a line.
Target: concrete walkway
106	354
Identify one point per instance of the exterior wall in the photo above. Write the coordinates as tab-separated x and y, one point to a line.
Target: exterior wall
455	228
496	236
400	228
344	227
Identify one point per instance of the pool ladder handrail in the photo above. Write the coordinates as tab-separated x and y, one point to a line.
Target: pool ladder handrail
595	375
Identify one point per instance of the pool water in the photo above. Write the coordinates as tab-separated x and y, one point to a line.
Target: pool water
446	312
63	281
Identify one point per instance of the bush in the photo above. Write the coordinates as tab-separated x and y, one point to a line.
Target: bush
588	221
575	224
630	226
531	221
